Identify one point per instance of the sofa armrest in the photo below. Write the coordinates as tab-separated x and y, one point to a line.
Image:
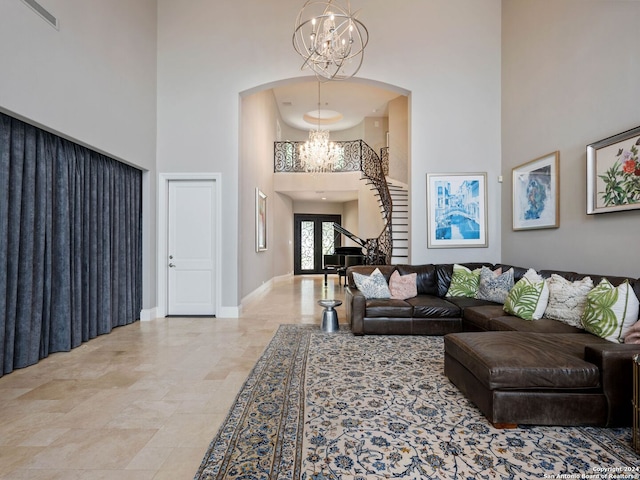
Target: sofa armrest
355	305
615	364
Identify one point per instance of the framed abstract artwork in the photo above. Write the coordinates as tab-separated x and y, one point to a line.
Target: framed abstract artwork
261	221
536	193
456	210
613	173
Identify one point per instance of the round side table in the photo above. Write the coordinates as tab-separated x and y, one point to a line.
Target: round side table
329	315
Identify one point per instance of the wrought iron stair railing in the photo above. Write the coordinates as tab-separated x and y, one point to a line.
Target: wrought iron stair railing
357	156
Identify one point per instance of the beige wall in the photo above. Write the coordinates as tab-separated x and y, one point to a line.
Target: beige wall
399	139
570	75
350	221
370	223
282	235
375	132
318	208
258	132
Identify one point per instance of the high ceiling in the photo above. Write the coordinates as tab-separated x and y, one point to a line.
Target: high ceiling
353	101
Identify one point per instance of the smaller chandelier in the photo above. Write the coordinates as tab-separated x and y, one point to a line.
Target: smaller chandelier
318	154
330	39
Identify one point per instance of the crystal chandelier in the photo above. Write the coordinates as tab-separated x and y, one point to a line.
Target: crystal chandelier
318	154
330	39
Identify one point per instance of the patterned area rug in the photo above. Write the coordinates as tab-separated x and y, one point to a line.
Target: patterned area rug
321	406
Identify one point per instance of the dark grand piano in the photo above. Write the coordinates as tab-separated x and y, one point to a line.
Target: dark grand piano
343	257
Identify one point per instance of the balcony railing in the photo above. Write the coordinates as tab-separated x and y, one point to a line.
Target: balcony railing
354	154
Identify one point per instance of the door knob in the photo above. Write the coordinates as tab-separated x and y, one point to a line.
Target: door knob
171	265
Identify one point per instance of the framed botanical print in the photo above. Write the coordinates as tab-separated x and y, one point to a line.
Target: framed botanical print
613	173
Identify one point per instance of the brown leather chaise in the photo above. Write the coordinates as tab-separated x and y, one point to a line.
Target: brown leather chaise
528	378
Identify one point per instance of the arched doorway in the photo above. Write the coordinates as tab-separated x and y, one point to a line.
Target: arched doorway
263	121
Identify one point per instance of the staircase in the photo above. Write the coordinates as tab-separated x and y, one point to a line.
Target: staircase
399	222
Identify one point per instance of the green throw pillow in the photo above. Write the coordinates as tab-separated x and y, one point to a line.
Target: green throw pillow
610	311
464	282
528	298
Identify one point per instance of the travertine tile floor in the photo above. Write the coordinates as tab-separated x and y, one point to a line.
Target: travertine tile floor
144	401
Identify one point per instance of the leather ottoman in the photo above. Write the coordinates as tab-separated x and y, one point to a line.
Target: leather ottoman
527	378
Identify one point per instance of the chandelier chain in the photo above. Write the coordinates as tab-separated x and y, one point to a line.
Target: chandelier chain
318	154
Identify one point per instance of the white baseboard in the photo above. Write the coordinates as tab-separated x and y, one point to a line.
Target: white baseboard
256	293
280	278
229	312
263	288
148	314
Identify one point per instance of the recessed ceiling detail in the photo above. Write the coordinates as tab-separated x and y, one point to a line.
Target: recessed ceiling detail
322	117
353	100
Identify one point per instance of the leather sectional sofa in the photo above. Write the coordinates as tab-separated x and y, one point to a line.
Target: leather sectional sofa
535	372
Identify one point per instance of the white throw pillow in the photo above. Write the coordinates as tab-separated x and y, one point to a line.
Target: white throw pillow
567	299
611	311
372	286
494	286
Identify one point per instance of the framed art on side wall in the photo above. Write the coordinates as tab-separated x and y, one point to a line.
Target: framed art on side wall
613	173
456	210
261	221
536	193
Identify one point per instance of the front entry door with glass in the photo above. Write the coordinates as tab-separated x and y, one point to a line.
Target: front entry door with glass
314	237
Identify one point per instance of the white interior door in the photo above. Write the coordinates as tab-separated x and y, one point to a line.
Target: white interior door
191	247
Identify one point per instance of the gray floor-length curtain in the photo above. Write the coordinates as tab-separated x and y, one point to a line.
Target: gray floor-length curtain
70	244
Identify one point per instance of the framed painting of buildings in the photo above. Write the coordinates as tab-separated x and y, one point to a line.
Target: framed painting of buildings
536	194
613	173
456	210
